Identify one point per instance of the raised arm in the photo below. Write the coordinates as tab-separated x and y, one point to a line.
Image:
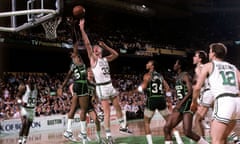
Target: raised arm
21	91
168	94
59	90
113	53
75	48
85	38
166	86
143	85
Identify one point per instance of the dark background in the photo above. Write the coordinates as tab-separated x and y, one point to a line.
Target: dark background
184	24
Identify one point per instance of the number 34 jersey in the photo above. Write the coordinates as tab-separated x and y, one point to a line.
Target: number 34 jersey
223	79
155	92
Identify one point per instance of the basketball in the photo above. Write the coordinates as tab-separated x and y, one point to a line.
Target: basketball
78	11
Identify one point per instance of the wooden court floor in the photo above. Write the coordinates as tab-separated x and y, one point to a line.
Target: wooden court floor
137	126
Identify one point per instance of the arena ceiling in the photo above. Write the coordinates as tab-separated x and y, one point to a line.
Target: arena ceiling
164	8
145	8
224	14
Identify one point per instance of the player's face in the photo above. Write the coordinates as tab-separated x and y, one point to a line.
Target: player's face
196	58
148	65
176	66
97	50
75	59
210	55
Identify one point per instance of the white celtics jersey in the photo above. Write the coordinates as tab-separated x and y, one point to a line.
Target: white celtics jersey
30	97
223	79
101	71
206	85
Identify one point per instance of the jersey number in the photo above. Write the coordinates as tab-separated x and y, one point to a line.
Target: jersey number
77	74
156	88
105	70
179	89
31	101
228	78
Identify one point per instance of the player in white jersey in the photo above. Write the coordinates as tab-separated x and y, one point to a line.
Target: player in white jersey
206	99
224	80
104	88
26	99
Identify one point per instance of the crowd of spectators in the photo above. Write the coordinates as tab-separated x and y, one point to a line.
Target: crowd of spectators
49	104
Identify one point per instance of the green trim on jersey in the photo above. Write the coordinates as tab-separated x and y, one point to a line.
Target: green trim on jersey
155	86
79	72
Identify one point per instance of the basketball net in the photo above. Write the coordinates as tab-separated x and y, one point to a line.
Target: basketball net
50	27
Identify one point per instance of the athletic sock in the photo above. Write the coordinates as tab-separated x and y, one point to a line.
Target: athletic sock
178	137
122	122
108	132
168	142
202	141
149	138
83	125
69	124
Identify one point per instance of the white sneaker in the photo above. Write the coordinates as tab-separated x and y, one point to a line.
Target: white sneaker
20	141
84	138
237	142
110	140
68	134
81	137
125	131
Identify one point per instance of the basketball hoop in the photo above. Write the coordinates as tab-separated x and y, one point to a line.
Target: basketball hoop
50	27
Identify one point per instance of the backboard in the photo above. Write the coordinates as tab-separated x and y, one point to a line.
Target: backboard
19	15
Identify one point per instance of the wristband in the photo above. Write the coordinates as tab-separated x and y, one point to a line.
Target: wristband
19	101
140	89
168	94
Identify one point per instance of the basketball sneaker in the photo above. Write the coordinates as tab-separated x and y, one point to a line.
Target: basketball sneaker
110	140
84	138
100	141
20	141
81	136
68	134
235	138
237	141
125	131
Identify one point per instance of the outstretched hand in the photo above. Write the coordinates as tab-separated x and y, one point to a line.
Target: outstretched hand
101	43
81	23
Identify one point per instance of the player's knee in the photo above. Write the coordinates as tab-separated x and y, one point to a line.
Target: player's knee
167	129
187	132
198	118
